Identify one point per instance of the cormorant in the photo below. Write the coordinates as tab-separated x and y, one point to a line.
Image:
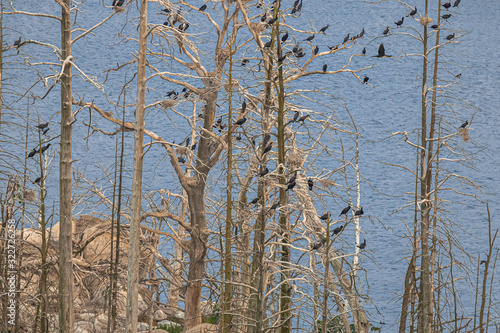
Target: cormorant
268	148
446	16
362	33
170	93
310	38
38	180
450	37
296	116
325	216
183	26
45	131
271	21
325	66
264	172
310	183
42	126
266	139
381	52
181	159
166	23
193	147
118	3
244	106
457	2
413	12
291	185
18	42
238	137
300	55
318	245
345	211
482	262
283	57
292	179
332	48
322	30
346	38
32	153
362	245
44	148
434	26
244	62
386	31
359	212
400	22
263	17
338	230
284	37
274	206
166	10
202	8
316	50
240	121
458	76
303	118
268	44
365	79
446	5
363	52
464	125
254	201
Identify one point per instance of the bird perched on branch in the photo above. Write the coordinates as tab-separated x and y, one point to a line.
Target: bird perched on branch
318	245
244	62
284	37
446	5
362	245
264	172
268	148
118	3
322	30
464	125
310	183
268	44
413	12
291	186
386	31
450	37
254	201
44	148
202	8
316	50
345	211
359	212
42	126
240	121
346	38
363	52
274	206
32	153
338	230
303	118
325	216
456	3
274	19
18	42
38	180
325	66
381	52
181	159
400	22
365	79
310	38
446	17
183	26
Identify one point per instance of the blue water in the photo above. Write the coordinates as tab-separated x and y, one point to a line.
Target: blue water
392	105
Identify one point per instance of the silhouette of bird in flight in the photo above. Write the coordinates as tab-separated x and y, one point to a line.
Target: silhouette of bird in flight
338	230
400	22
362	245
32	153
42	126
359	212
446	17
381	52
345	211
413	12
202	8
446	5
363	52
464	125
240	121
310	183
365	79
456	3
450	37
325	216
18	42
322	30
386	31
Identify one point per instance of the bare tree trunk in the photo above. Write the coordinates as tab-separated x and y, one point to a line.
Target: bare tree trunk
133	256
66	314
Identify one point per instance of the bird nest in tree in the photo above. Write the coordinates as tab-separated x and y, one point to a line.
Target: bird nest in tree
234	85
258	27
119	9
464	133
426	20
294	160
30	195
327	183
168	103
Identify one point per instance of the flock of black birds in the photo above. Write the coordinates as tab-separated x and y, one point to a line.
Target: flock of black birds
43	128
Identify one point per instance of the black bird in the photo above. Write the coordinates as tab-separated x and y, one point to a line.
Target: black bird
18	42
338	230
381	52
292	179
240	121
345	211
166	23
386	31
183	26
303	118
482	262
365	79
457	2
253	142
362	245
296	116
284	37
181	159
332	48
434	26
202	8
322	30
32	153
300	55
446	16
193	147
45	131
325	216
44	148
464	125
446	5
310	183
318	245
238	137
283	57
170	93
254	201
266	139
413	12
42	126
291	186
316	50
264	172
363	52
310	38
400	22
271	21
263	17
359	212
458	76
450	37
325	66
166	10
346	39
118	3
299	7
244	106
38	180
362	33
274	206
244	62
268	148
268	44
